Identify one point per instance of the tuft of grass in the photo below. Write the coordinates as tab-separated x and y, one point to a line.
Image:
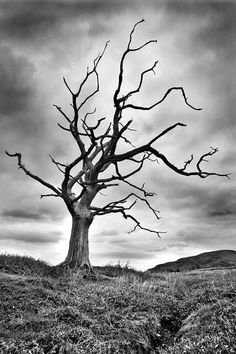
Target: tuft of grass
191	312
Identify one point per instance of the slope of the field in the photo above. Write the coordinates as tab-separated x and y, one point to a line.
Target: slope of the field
43	311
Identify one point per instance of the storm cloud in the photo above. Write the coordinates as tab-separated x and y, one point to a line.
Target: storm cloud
40	215
38	19
30	237
16	76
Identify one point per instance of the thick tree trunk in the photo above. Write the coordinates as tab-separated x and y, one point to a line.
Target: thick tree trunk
78	253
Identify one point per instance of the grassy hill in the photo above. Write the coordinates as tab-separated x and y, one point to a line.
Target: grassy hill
45	311
214	259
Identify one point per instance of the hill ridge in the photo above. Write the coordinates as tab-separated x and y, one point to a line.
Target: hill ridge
212	259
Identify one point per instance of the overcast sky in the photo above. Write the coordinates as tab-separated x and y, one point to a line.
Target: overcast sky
42	41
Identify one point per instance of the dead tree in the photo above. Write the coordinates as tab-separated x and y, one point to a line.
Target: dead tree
98	154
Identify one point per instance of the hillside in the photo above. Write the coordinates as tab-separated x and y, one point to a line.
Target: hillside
214	259
45	311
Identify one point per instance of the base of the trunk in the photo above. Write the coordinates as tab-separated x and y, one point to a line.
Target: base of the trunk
84	270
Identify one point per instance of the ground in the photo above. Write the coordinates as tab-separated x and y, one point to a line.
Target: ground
123	311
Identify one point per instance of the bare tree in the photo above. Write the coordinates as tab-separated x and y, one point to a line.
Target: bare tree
98	154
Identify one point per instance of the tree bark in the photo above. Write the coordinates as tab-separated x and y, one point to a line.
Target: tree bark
78	253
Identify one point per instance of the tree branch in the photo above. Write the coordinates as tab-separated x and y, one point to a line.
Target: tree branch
138	225
68	87
58	164
62	113
116	177
28	173
49	195
148	148
182	171
141	81
142	108
95	64
117	204
166	131
69	168
121	71
113	207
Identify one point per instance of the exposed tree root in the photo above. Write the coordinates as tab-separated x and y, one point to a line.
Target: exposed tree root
83	270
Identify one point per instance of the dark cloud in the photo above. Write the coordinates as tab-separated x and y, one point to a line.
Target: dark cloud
40	215
196	197
22	114
30	237
26	19
21	120
196	7
222	204
209	51
207	236
220	212
220	31
215	43
20	214
16	77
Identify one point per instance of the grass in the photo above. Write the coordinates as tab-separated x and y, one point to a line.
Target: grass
42	311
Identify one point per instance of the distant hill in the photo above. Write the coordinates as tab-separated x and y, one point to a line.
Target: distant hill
214	259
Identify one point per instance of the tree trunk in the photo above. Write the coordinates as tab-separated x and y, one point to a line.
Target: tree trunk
78	253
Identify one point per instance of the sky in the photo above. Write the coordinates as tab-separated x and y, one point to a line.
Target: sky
43	41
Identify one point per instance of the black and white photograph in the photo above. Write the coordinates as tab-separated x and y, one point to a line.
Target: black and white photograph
117	176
